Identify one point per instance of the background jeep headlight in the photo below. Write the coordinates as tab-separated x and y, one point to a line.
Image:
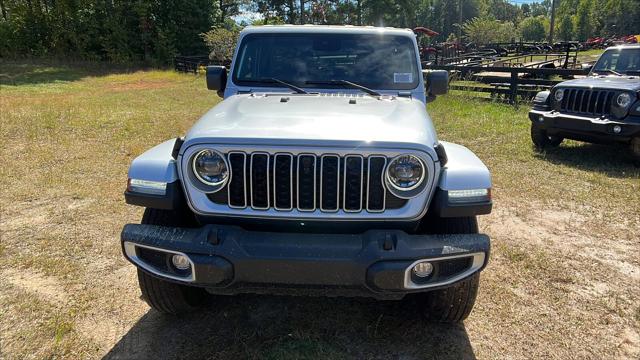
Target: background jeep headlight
558	95
210	168
406	172
623	100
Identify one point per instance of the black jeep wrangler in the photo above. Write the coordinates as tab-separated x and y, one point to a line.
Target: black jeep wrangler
602	108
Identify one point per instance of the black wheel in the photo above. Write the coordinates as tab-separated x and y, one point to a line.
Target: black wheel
452	304
438	225
542	140
634	146
178	218
169	298
164	296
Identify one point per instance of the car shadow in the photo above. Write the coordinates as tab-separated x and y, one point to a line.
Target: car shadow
614	160
253	326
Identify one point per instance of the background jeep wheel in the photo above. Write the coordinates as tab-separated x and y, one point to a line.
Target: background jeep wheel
452	304
165	296
634	146
541	140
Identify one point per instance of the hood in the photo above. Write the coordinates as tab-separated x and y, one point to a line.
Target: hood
631	83
316	120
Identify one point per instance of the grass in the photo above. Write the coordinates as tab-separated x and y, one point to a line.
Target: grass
589	55
562	282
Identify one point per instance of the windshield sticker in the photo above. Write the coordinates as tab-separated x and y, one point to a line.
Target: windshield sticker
402	78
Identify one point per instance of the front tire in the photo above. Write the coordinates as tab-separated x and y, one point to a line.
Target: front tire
542	140
169	298
452	304
165	296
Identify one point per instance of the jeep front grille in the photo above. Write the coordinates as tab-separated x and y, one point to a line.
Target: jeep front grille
306	182
587	101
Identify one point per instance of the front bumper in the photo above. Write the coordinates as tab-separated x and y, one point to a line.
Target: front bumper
378	263
585	128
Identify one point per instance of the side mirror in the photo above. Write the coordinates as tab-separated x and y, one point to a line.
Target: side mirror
216	78
437	82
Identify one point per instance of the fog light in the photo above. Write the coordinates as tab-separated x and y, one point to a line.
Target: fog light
541	119
617	129
181	262
423	269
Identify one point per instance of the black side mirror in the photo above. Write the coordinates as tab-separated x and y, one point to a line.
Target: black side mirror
437	82
216	78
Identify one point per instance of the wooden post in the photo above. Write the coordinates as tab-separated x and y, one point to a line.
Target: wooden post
513	96
552	22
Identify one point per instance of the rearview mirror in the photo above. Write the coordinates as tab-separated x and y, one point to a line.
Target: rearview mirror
216	78
437	82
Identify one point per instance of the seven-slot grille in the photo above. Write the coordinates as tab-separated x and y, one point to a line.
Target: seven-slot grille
306	182
587	101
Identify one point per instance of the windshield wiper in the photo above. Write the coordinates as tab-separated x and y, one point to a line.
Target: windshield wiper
278	81
608	71
344	83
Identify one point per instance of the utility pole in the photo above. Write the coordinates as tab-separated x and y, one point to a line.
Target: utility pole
553	21
460	22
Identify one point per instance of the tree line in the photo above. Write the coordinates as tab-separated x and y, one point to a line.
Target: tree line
153	31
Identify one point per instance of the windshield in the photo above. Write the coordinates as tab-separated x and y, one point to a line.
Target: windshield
624	61
377	62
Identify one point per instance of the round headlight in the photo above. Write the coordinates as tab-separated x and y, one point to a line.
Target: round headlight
623	100
210	167
559	94
406	172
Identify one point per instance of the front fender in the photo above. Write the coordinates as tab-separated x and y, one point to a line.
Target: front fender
463	171
157	164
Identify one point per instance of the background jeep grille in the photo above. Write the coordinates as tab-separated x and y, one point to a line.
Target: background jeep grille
587	101
306	182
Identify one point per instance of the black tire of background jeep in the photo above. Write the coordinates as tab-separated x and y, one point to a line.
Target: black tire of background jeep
634	146
541	140
452	304
164	296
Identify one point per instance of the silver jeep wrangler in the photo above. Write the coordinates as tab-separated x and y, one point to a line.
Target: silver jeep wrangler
320	173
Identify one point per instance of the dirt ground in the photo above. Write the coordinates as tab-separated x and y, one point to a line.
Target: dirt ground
563	279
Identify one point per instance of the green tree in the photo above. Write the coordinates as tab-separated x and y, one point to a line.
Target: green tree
585	20
503	10
542	8
565	28
221	42
487	30
533	29
619	17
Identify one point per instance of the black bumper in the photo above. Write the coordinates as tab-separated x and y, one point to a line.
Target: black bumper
585	128
228	259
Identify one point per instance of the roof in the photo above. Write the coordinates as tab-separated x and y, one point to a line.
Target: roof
324	29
